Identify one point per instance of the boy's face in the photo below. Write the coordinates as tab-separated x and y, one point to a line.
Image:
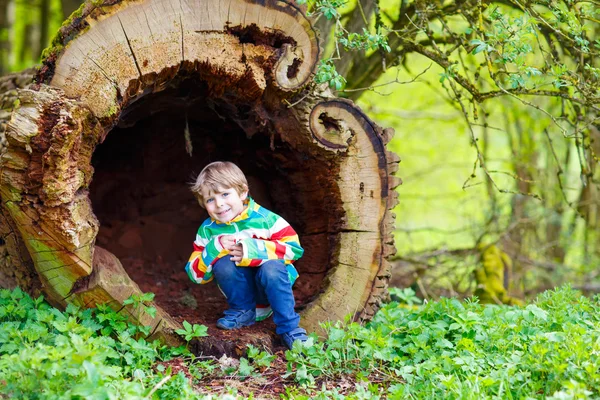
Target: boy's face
225	204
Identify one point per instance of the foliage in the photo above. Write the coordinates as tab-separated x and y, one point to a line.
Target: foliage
405	296
443	349
367	40
451	349
90	353
327	73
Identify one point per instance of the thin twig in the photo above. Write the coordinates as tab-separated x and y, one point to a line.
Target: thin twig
158	385
387	83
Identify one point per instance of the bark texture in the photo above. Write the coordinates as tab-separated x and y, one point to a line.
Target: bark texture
16	267
95	157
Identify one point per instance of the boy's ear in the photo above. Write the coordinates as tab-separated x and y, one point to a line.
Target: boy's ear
244	195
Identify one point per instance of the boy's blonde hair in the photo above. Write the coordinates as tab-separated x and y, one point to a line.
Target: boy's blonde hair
220	175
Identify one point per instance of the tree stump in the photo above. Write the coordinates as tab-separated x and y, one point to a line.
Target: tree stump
133	100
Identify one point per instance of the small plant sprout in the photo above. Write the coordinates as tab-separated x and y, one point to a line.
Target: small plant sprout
261	359
190	331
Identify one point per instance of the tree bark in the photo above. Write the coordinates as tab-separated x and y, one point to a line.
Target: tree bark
95	159
16	267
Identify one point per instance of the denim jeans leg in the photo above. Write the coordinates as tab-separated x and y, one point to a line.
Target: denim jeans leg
272	278
261	296
237	283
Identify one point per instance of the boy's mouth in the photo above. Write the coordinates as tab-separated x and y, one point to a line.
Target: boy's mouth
224	212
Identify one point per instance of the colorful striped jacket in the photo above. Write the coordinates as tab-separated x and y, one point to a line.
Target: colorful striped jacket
263	234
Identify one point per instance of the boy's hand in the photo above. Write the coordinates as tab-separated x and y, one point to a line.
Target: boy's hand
236	253
227	241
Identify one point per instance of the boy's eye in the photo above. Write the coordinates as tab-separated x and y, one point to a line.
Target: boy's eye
225	194
209	200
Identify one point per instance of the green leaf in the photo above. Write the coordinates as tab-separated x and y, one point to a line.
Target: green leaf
245	369
200	330
147	297
538	312
72	309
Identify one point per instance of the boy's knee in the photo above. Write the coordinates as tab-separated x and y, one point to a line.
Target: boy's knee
224	268
272	270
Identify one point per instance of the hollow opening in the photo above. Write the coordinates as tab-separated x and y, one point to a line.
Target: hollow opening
149	217
254	35
330	123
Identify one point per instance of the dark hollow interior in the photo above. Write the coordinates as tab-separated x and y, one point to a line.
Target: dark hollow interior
149	217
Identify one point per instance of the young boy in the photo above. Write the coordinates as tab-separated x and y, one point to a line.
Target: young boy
248	249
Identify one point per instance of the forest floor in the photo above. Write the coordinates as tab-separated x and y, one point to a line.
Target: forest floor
270	383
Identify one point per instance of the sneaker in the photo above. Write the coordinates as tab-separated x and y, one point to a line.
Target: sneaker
295	334
263	312
235	319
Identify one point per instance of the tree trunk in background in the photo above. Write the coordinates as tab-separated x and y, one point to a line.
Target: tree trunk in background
241	73
68	6
4	42
27	44
44	23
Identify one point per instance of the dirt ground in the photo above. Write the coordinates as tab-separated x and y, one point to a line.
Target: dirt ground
268	383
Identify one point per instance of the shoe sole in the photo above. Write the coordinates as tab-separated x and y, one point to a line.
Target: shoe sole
235	327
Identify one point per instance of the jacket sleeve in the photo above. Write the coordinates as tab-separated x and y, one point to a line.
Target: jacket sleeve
283	244
206	253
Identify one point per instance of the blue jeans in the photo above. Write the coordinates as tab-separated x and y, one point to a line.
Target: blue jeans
244	287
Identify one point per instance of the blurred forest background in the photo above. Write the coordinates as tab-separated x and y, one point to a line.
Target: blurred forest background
495	108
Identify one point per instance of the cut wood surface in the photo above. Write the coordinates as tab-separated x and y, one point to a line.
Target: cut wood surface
122	49
133	99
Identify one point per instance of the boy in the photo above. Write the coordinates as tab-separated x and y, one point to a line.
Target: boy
248	250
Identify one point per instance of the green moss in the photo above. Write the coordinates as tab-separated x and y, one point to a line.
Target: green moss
75	14
490	277
113	110
57	42
12	195
51	50
352	219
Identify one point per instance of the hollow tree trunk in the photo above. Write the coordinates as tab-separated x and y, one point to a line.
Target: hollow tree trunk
133	99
